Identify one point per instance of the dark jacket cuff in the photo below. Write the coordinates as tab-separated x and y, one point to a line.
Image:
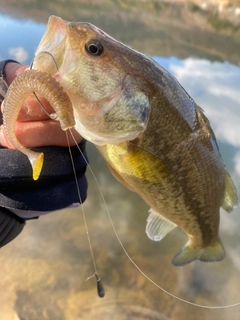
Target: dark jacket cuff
10	226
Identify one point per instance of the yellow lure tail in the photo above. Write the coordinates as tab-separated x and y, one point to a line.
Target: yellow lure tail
36	160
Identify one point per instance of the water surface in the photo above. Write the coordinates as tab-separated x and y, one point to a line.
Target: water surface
43	271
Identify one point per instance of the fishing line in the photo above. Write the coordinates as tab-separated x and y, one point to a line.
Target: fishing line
100	288
51	115
51	55
132	261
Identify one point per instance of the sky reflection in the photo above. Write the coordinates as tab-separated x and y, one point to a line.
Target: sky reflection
20	38
215	87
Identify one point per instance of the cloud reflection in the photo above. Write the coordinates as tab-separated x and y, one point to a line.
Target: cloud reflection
215	87
20	36
19	54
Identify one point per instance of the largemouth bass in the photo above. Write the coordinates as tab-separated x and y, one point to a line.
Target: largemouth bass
155	139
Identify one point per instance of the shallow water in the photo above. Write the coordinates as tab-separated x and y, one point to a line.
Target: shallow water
43	271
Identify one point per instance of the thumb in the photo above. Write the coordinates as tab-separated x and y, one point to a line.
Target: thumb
4	142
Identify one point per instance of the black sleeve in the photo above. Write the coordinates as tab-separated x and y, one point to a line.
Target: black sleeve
10	226
2	68
55	189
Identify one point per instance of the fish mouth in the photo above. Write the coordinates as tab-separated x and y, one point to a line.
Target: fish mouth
115	118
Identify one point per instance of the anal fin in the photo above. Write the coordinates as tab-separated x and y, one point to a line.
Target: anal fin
157	226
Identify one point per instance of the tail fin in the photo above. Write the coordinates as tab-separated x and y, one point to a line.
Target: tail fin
188	254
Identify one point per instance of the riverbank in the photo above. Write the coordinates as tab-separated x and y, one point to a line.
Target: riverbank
202	29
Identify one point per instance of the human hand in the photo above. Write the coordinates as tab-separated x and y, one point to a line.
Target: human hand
34	128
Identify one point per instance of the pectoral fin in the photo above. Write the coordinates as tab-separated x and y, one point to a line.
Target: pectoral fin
157	226
230	200
119	177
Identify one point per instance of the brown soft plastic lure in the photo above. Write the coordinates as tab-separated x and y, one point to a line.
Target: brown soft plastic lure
28	82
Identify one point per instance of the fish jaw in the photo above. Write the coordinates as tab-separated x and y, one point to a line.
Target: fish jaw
51	49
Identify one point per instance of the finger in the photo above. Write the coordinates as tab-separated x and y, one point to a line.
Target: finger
32	109
39	133
12	70
4	142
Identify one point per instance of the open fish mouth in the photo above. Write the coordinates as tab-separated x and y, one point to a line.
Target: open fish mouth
118	117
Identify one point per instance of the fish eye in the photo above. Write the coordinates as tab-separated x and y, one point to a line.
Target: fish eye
94	47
